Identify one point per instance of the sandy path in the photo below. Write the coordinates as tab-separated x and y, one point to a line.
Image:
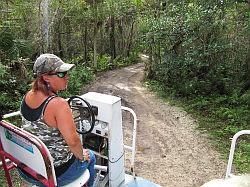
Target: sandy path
170	151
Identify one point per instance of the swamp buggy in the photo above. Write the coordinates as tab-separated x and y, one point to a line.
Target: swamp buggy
98	118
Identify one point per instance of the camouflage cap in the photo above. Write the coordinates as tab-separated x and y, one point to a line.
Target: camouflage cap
46	63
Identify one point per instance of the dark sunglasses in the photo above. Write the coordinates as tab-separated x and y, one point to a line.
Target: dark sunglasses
60	74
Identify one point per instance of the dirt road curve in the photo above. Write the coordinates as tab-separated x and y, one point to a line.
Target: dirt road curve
170	151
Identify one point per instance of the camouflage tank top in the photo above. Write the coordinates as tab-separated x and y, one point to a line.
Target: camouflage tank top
50	136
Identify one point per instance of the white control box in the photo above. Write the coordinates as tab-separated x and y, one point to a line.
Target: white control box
109	125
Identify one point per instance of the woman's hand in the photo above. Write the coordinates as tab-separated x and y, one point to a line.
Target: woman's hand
86	155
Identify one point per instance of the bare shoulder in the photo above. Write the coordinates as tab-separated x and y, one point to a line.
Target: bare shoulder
58	104
58	100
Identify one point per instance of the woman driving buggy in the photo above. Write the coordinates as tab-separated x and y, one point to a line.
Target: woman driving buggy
49	117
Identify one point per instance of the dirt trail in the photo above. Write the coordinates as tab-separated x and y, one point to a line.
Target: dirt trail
170	151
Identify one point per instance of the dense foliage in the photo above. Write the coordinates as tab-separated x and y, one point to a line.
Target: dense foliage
198	52
199	48
95	35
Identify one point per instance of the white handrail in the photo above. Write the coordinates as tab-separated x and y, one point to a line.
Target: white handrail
11	114
133	147
231	154
102	168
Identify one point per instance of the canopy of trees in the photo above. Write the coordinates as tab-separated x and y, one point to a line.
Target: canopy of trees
195	47
98	34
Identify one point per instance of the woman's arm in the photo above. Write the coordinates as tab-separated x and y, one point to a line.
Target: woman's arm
66	126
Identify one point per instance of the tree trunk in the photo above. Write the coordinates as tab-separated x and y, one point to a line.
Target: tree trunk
85	44
112	38
68	37
248	54
41	47
149	66
102	41
130	39
45	24
95	45
247	84
59	40
159	52
121	40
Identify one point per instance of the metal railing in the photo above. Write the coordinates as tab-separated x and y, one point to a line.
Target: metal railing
232	149
133	147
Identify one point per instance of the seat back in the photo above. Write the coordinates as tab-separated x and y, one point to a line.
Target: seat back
27	152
